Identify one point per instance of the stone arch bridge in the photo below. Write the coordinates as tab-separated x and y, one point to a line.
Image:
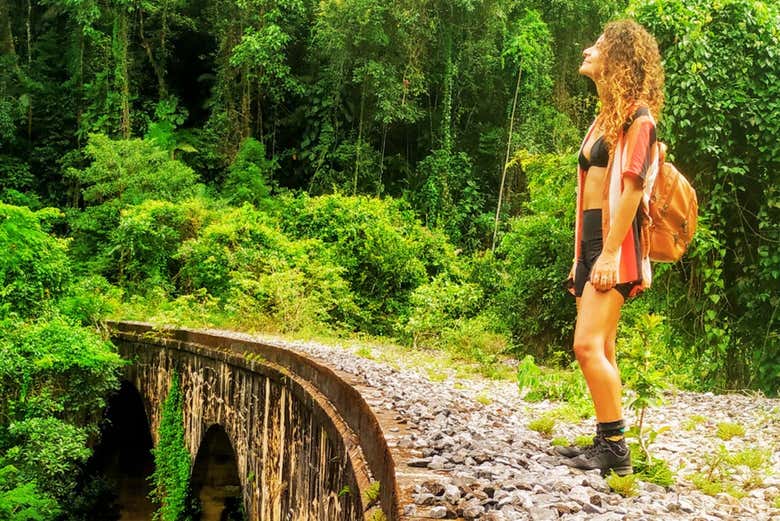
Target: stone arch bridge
289	436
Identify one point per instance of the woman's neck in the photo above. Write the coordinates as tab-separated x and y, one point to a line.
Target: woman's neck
600	90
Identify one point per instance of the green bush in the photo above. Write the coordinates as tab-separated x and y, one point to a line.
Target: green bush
435	308
53	368
132	171
292	298
385	253
34	268
544	425
234	239
144	244
728	430
261	275
22	499
720	122
48	451
536	255
539	383
476	339
16	198
451	199
89	300
122	173
650	468
248	175
626	486
54	379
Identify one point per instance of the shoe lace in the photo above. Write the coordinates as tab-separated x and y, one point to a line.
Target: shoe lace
597	448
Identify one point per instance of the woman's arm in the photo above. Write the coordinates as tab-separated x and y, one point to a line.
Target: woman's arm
605	271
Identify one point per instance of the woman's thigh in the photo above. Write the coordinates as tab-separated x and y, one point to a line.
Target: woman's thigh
597	314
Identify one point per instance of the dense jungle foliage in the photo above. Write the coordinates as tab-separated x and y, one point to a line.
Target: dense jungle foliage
334	167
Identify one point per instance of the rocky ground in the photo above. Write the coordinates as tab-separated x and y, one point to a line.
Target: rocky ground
491	466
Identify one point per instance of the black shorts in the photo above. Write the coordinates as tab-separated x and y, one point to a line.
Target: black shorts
590	248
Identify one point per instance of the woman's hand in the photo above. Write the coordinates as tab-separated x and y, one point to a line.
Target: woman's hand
604	274
568	284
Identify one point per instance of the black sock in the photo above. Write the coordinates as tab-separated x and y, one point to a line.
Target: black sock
612	431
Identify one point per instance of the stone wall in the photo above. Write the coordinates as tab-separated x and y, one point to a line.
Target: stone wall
295	452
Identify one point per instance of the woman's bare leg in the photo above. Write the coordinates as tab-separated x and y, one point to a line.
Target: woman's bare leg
594	337
609	346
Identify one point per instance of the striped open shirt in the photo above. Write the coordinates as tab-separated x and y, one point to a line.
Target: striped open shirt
635	153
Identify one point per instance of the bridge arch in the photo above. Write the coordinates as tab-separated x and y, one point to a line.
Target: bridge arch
215	480
123	454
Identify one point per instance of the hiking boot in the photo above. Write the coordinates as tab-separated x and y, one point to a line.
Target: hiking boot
606	456
572	451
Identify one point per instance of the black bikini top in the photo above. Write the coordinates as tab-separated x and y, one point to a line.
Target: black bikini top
599	155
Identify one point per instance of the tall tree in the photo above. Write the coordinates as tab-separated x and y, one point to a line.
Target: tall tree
158	22
253	70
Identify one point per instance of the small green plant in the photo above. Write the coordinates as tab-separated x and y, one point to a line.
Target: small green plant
649	468
559	442
365	352
758	463
728	430
752	458
254	357
543	425
714	487
777	501
694	421
706	484
371	494
583	441
718	475
483	399
643	377
626	486
344	491
648	384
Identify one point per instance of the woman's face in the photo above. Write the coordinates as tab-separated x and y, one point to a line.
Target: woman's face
593	62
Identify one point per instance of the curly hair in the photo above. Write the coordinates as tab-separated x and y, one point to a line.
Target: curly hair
632	75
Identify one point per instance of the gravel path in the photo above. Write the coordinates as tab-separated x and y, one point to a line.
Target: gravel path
491	466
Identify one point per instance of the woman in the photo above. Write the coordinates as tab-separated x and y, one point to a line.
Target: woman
618	163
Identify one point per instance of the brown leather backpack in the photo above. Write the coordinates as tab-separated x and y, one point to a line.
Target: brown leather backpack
673	213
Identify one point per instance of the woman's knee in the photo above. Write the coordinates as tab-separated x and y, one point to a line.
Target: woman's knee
587	348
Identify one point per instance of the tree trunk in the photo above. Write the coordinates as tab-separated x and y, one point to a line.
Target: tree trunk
6	34
121	58
157	67
259	115
506	158
29	70
80	106
358	144
446	113
246	104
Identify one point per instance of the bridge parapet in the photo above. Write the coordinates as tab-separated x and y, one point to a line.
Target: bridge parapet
301	433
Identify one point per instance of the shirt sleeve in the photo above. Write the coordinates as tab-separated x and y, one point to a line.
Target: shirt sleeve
640	140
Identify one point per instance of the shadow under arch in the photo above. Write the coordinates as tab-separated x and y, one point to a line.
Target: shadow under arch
215	480
124	454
